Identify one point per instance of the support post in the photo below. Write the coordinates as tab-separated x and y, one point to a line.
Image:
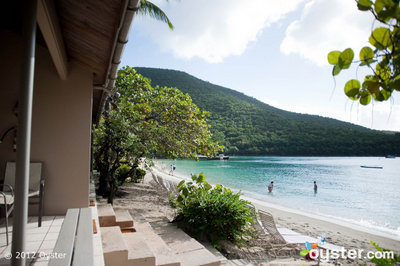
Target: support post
20	218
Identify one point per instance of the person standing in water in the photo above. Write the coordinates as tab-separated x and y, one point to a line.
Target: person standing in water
315	187
173	167
270	186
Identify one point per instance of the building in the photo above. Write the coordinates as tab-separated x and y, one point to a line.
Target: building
77	49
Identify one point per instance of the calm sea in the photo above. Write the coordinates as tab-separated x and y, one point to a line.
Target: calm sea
366	197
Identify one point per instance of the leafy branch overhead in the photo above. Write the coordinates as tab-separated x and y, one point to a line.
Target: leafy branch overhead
383	59
147	8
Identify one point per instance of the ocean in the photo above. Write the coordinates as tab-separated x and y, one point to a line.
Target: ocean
366	197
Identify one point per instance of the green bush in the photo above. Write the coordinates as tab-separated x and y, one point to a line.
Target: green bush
139	176
212	213
122	173
385	261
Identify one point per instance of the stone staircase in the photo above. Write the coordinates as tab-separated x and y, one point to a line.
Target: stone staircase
128	241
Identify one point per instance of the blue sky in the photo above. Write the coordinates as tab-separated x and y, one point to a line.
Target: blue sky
274	51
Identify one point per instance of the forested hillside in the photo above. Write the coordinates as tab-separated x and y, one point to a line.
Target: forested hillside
246	126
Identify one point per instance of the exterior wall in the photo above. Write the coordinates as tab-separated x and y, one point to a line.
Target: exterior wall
61	124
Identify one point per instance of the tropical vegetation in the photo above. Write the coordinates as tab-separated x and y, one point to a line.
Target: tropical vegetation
148	8
212	213
141	121
381	57
246	126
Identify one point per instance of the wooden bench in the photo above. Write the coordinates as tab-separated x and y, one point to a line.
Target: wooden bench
74	244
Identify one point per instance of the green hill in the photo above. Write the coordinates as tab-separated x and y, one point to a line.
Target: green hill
246	126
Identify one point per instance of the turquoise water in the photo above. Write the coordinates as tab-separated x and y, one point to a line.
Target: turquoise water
362	196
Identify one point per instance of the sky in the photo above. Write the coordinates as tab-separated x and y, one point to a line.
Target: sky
274	51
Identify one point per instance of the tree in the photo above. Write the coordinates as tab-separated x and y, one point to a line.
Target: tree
383	59
147	8
140	121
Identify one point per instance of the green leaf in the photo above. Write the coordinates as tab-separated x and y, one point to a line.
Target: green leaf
304	252
364	5
352	89
207	186
185	191
346	58
181	183
371	83
383	71
385	9
149	9
378	96
336	70
333	57
395	84
380	38
386	94
366	55
365	98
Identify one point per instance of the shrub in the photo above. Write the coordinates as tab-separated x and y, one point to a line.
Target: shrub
212	213
122	173
385	261
139	176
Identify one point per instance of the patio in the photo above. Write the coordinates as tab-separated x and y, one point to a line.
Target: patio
59	62
41	240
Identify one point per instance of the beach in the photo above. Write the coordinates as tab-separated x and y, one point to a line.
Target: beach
337	232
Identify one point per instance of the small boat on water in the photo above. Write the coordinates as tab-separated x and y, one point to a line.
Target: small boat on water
374	167
218	157
390	157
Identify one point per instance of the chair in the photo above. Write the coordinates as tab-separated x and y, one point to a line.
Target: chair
173	187
36	189
257	224
267	221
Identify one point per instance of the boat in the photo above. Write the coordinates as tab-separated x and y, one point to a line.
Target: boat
390	157
218	157
374	167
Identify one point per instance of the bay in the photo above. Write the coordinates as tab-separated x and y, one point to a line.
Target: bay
367	197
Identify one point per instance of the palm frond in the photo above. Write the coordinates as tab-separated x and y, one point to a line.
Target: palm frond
150	9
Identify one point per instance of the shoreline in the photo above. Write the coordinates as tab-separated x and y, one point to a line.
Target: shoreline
337	232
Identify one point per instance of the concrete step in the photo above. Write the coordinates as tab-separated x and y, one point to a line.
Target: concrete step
123	219
115	250
106	215
139	253
187	249
164	255
143	227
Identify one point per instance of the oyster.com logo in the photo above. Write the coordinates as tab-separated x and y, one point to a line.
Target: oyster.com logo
309	252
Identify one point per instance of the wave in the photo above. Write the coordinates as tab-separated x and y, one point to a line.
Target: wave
369	225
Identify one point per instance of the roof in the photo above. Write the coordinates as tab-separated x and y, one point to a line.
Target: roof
89	30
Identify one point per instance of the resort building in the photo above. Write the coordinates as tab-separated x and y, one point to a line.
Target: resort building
65	54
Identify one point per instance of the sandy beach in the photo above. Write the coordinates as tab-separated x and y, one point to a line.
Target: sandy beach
337	232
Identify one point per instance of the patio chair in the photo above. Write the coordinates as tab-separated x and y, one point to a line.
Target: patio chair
172	187
36	188
257	225
154	177
267	221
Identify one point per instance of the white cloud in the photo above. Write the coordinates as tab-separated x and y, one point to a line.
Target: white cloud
377	115
214	30
327	25
380	116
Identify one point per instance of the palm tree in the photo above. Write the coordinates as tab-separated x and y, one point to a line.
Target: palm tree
150	9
